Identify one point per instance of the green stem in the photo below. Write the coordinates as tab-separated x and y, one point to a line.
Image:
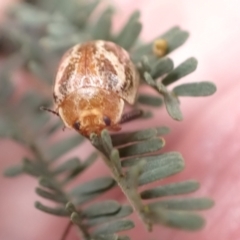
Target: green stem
130	192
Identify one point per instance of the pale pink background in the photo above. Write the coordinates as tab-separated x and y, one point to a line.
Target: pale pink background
208	138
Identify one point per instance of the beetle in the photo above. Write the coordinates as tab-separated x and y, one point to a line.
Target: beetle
93	82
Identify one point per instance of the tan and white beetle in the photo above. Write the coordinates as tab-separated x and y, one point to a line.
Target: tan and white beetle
92	83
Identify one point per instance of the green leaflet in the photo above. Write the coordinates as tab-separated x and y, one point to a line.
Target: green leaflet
188	66
96	185
170	100
171	189
123	138
83	166
129	38
31	168
69	165
102	209
150	100
195	89
183	204
61	212
13	171
50	183
102	29
77	12
99	213
148	146
178	219
160	173
56	197
161	67
130	32
154	161
63	146
175	39
163	160
114	227
124	211
85	198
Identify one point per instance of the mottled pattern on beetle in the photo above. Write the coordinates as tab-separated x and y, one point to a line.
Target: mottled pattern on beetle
97	64
66	72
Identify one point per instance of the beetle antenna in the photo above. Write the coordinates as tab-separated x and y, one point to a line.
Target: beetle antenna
134	114
49	110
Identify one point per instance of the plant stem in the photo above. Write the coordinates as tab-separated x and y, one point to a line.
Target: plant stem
130	191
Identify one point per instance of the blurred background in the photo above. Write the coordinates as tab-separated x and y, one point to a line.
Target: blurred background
208	138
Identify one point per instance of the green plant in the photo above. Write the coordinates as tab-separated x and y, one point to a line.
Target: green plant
134	158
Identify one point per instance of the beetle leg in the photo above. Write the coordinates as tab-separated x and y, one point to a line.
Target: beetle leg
129	116
115	128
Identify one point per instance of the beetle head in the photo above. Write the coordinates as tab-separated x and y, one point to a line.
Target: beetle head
90	110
